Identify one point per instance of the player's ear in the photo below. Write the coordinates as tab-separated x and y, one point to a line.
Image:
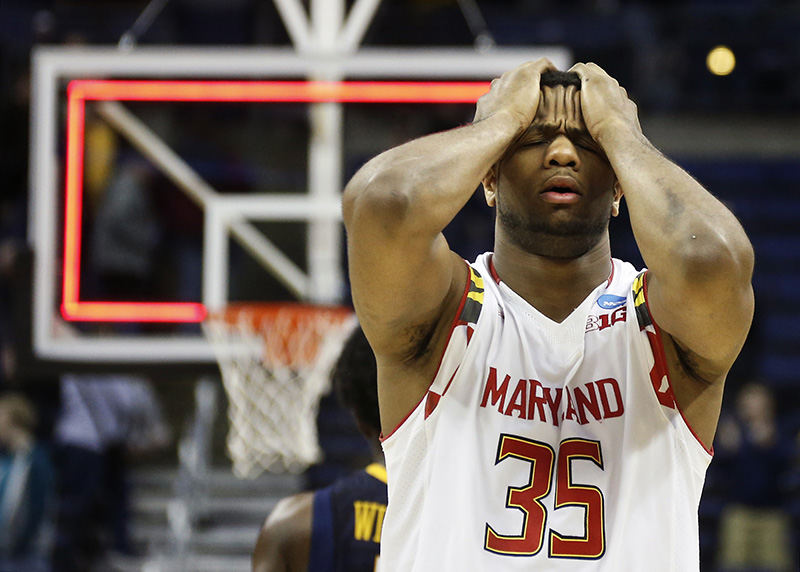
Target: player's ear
617	199
490	186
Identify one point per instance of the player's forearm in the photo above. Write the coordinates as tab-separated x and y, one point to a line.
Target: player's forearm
682	231
421	185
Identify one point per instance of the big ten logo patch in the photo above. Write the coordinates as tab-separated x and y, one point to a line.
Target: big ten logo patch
603	321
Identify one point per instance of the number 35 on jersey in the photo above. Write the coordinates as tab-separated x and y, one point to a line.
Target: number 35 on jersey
551	470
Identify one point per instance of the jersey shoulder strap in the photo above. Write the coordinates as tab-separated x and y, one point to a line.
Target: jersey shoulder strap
472	303
640	300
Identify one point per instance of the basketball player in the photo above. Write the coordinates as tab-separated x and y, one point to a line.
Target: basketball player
545	407
338	528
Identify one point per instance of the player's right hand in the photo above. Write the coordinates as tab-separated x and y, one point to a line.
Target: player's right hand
516	92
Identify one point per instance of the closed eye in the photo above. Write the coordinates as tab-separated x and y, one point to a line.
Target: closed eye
531	142
595	150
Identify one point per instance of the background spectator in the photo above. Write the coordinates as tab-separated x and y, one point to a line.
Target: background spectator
101	416
26	489
755	456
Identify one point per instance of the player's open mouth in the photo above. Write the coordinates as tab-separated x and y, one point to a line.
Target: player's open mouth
560	195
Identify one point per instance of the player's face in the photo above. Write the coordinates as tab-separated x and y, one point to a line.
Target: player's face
555	189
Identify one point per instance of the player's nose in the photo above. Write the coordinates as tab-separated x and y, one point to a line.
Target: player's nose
561	152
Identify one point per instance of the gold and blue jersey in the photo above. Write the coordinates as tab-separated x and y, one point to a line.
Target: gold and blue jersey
348	522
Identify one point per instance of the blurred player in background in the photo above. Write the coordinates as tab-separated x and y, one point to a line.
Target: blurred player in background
546	406
337	528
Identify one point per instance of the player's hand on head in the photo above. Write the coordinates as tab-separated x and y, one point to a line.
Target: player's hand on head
516	92
605	104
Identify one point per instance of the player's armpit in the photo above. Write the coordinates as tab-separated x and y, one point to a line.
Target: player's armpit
284	540
699	400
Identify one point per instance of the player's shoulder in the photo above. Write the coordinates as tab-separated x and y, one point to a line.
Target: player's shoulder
285	535
290	515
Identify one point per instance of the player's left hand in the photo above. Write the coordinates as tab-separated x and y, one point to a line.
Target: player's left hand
605	104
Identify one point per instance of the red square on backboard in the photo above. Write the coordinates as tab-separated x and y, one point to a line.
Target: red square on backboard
80	91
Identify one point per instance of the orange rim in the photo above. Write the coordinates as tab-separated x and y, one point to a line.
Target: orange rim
291	332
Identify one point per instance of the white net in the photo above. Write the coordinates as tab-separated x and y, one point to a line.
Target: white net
275	362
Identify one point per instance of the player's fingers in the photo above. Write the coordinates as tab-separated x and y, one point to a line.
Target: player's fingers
584	71
543	64
591	70
534	69
579	68
596	68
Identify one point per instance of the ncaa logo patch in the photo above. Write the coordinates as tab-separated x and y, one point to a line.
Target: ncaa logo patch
610	301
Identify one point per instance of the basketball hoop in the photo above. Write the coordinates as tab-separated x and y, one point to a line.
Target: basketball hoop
275	361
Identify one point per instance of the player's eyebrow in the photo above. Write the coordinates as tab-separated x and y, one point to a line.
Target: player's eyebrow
551	129
580	134
534	129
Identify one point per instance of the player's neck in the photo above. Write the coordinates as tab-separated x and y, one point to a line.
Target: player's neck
554	286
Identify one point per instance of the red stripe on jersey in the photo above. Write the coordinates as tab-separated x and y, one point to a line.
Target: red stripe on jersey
610	276
493	270
433	398
659	375
431	401
452	377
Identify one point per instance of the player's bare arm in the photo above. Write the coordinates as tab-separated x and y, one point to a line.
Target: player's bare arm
700	260
284	540
406	282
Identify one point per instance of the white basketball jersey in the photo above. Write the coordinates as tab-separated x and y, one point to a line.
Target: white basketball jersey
544	445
